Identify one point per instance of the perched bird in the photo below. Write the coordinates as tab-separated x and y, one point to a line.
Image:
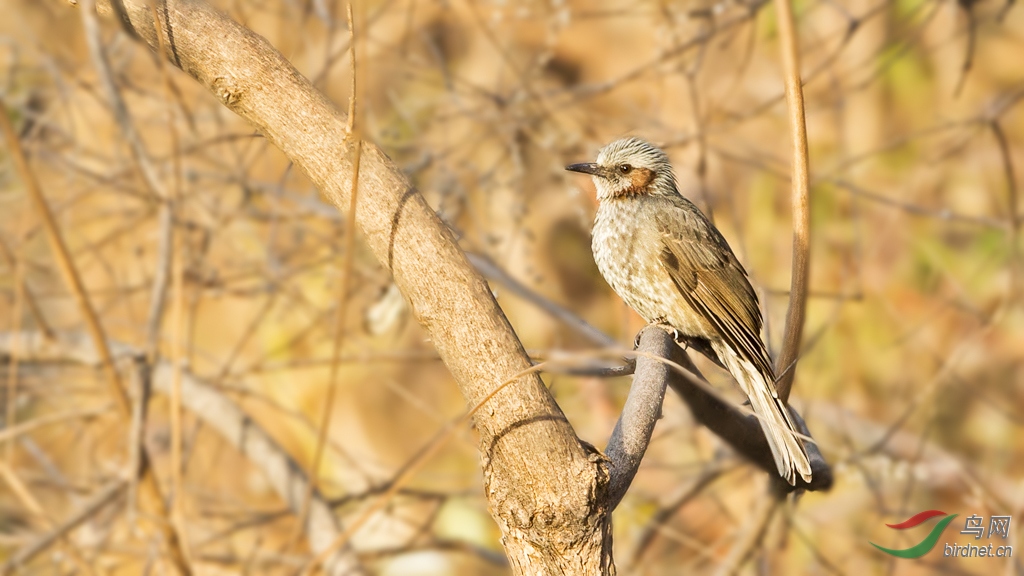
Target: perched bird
669	263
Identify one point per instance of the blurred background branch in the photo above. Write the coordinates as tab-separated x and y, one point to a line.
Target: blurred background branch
215	411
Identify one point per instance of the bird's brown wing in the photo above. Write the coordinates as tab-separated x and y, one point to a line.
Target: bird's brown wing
712	280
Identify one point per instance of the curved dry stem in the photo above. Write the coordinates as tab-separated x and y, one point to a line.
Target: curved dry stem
786	366
343	290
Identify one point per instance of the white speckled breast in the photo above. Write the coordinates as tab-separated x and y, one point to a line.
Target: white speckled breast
626	248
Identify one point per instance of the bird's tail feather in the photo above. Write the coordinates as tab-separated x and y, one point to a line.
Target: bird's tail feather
789	453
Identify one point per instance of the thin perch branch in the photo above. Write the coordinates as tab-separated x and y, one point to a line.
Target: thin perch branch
633	430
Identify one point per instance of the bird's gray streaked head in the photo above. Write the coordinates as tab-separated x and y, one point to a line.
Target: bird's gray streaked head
629	167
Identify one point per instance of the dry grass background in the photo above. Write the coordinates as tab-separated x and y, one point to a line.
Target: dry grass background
913	375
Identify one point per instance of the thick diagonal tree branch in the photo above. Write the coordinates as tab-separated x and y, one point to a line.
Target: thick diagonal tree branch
540	480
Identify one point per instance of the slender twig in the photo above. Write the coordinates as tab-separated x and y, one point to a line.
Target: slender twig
812	542
444	545
12	367
64	262
488	268
788	43
174	406
161	278
27	294
13	432
972	38
171	261
627	368
250	329
93	505
943	214
117	104
707	477
18	488
92	321
1013	216
137	431
752	535
346	280
352	64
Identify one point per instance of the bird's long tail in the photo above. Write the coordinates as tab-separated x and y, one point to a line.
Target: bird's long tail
789	453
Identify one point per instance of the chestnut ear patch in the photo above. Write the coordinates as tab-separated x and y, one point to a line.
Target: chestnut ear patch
639	179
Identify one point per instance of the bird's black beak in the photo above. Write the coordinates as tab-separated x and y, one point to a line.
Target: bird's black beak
587	168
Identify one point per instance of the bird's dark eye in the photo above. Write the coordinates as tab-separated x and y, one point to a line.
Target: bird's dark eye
625	168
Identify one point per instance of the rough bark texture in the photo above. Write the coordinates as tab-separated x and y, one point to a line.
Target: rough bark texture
541	482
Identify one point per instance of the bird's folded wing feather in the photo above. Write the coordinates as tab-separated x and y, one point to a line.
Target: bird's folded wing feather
712	281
